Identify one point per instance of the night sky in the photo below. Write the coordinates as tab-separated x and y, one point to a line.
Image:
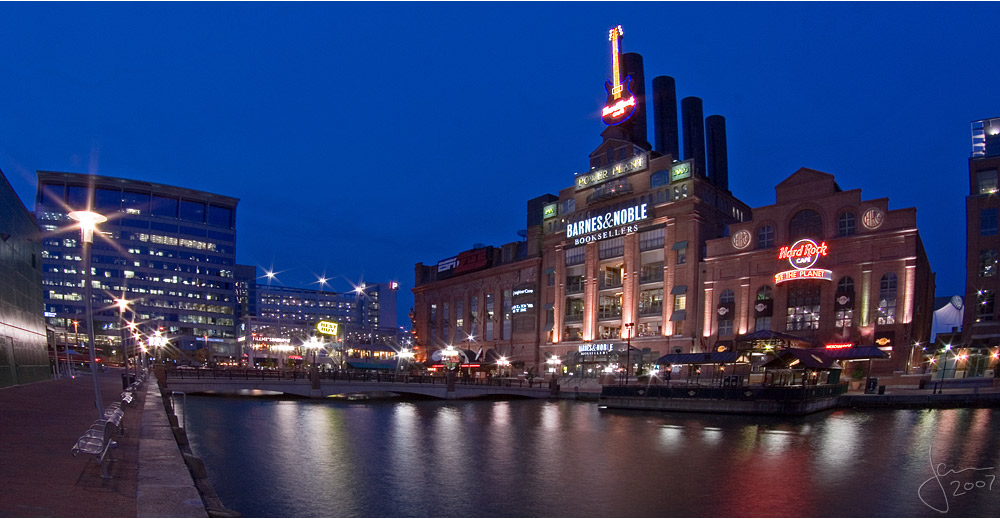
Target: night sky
363	138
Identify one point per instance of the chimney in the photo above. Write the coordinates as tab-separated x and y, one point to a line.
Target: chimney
665	116
718	160
694	132
632	66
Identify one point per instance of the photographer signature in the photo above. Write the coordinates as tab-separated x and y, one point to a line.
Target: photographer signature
956	485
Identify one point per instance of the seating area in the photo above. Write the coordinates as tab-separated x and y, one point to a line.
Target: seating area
98	440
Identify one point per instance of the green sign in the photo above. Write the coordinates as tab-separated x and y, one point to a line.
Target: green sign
680	171
549	211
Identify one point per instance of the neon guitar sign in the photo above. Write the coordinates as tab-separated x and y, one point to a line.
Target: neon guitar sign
619	106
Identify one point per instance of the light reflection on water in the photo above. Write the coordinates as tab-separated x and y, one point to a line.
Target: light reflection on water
301	458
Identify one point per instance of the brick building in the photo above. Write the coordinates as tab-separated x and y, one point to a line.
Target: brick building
981	326
824	265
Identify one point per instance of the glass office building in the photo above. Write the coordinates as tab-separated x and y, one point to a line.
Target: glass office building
169	250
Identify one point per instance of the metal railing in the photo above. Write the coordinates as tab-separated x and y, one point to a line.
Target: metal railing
349	376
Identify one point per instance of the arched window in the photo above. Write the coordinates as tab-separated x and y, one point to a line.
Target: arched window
765	237
726	312
805	224
660	178
845	224
763	309
803	306
843	303
887	299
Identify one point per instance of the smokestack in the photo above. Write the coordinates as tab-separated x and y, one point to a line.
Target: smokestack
694	132
665	116
718	159
632	65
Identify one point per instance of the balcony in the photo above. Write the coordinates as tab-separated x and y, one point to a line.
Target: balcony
609	190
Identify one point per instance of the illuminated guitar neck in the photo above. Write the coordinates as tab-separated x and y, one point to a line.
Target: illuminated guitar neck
616	33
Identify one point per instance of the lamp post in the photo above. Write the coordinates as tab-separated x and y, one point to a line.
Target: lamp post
404	354
503	363
944	367
88	221
553	363
628	349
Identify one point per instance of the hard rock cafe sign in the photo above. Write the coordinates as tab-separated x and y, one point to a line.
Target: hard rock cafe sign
802	255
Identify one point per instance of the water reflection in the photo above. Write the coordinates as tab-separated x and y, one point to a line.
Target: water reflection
556	459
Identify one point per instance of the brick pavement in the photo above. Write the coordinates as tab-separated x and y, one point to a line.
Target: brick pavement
39	424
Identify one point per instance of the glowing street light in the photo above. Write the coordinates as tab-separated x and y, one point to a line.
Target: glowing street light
553	363
88	221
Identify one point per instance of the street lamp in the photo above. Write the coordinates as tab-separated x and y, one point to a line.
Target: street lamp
553	363
404	354
944	367
157	341
88	221
628	350
122	305
503	363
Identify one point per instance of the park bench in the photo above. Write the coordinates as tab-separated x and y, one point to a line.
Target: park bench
98	442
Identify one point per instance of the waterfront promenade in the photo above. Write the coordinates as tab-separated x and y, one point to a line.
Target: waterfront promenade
40	424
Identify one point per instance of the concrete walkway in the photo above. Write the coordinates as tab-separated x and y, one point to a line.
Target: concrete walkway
40	423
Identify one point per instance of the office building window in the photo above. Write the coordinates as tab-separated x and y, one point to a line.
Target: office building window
985	300
506	314
609	306
805	224
459	321
473	314
680	302
651	301
845	224
988	222
445	323
681	256
803	306
649	240
986	181
576	255
490	316
651	272
662	178
987	263
762	323
764	293
612	248
765	237
574	309
887	299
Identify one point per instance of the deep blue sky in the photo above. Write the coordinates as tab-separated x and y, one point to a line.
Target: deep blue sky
363	138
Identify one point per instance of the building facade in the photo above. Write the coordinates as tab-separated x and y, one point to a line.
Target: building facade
168	250
24	356
981	322
277	324
483	301
826	266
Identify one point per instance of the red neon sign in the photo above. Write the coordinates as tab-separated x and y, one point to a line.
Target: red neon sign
839	345
790	275
617	109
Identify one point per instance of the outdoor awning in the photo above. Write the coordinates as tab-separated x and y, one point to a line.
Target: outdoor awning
679	289
678	315
807	358
858	352
772	338
725	357
370	347
680	245
356	364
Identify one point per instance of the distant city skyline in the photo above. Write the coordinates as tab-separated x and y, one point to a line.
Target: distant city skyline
364	138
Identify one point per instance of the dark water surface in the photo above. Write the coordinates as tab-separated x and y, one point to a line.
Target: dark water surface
308	458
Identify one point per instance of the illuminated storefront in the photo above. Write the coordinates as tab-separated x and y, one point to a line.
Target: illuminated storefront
858	276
